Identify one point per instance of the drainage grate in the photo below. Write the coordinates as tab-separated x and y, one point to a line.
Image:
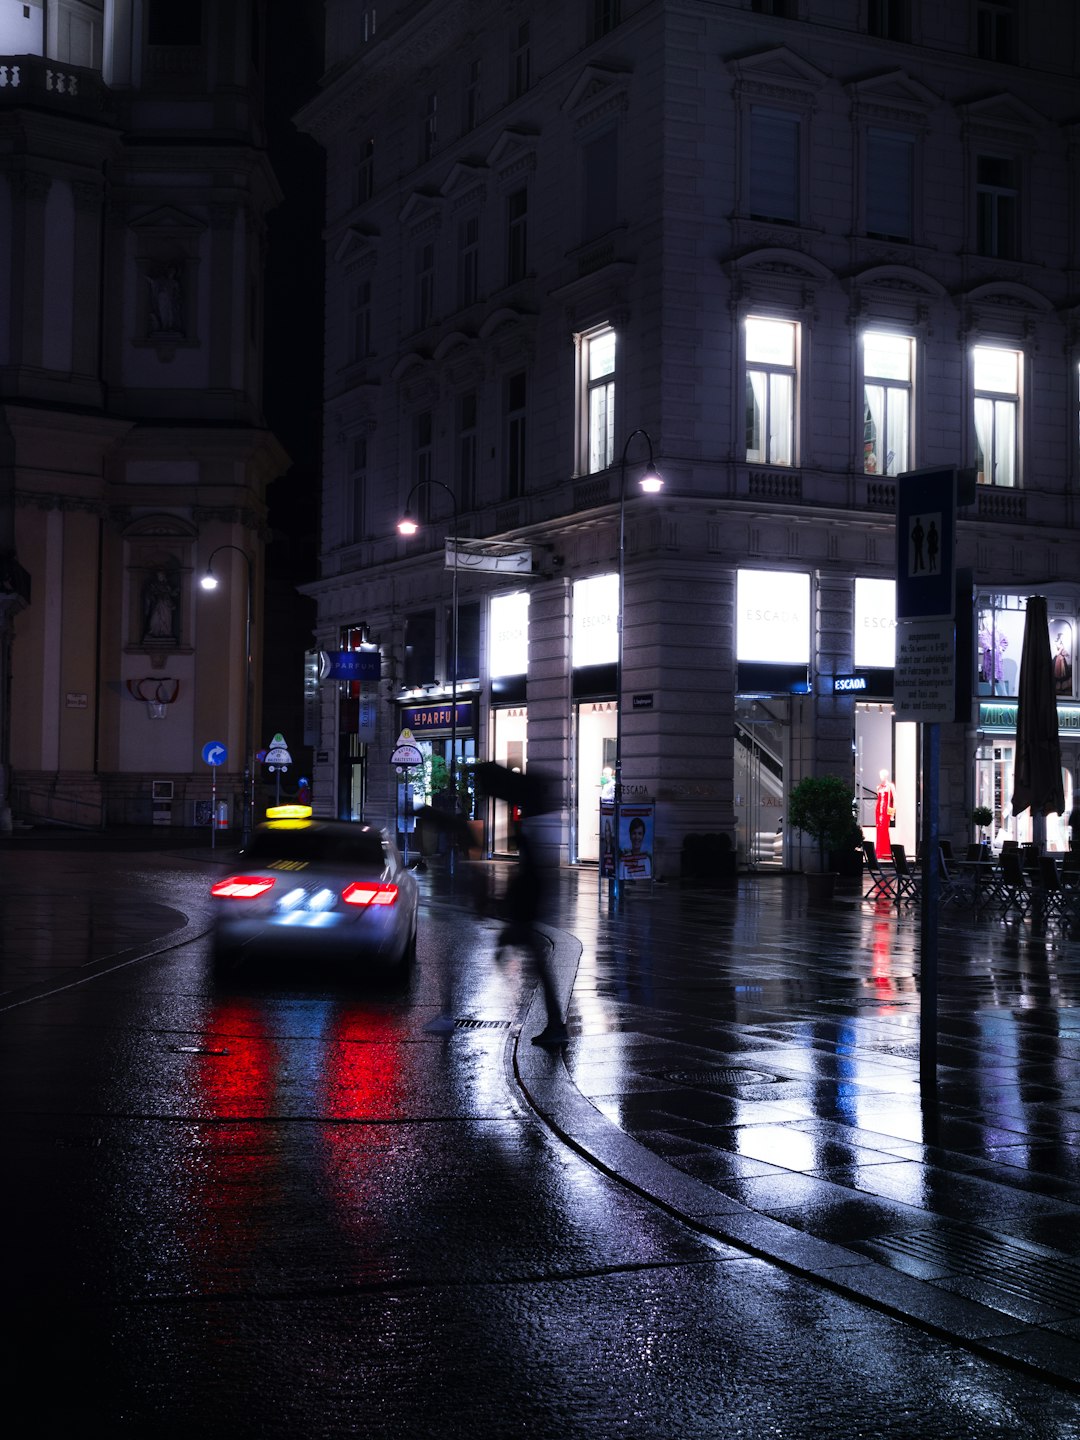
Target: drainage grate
1052	1279
470	1024
717	1076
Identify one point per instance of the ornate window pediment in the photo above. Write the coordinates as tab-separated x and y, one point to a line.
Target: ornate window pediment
894	99
1002	118
513	156
596	95
419	213
778	74
465	186
356	247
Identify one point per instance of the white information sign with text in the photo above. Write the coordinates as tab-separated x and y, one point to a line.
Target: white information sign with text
925	678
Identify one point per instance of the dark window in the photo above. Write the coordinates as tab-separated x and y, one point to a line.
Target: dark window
515	436
784	8
774	165
425	285
890	185
519	61
467	446
516	236
468	260
356	492
470	109
468	667
995	30
606	15
365	173
422	447
598	210
170	23
996	207
889	18
429	134
419	649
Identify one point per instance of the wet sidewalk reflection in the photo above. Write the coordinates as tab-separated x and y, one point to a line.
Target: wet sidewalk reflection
771	1051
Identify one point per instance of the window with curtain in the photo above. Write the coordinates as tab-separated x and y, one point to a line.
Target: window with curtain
887	391
598	371
770	391
997	414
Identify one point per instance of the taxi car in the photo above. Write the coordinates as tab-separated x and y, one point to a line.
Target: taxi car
314	887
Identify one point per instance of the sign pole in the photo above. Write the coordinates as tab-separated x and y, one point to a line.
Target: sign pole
928	912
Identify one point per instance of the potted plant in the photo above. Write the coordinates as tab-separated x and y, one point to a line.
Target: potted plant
982	816
820	806
847	857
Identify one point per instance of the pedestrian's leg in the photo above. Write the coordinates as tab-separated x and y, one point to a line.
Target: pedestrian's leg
553	1036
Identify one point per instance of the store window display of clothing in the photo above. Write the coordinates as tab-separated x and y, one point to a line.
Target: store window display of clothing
884	815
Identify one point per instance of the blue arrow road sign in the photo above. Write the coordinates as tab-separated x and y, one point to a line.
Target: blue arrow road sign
214	753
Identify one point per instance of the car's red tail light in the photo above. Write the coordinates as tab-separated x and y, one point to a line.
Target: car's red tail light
242	887
367	893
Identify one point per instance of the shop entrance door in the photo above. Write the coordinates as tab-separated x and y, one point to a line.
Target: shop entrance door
762	728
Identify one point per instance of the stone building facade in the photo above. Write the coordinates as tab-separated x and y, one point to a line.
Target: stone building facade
786	252
134	187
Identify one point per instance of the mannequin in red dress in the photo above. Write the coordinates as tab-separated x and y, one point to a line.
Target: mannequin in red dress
884	812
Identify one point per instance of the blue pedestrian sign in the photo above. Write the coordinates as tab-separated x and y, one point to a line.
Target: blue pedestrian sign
214	753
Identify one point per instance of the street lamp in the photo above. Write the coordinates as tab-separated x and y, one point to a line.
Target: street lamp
650	483
210	582
409	527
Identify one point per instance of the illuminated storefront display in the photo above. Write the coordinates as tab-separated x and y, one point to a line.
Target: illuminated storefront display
508	654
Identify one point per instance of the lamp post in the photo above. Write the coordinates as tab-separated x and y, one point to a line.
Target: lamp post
210	582
408	526
650	483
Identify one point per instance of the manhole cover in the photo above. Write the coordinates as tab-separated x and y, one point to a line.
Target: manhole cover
719	1076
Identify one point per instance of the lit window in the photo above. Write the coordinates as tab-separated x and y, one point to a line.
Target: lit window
770	391
887	378
997	414
597	361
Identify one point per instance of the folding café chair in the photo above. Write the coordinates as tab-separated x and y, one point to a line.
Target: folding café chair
1057	903
882	886
907	878
952	888
1013	887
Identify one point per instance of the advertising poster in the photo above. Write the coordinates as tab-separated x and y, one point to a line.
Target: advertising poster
635	840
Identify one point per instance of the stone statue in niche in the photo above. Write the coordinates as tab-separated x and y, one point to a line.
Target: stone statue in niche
161	604
165	311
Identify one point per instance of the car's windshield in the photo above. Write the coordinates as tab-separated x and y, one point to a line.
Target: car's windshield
318	846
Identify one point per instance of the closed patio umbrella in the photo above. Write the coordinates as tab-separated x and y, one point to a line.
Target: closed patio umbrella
1037	775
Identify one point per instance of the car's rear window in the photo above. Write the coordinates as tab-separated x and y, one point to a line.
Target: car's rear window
320	847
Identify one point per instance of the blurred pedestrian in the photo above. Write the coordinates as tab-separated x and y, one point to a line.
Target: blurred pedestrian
530	893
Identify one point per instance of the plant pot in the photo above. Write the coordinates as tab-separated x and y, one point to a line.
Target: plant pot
821	887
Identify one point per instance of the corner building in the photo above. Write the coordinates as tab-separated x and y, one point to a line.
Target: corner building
785	251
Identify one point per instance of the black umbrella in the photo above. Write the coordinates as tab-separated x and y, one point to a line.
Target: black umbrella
531	791
1037	775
